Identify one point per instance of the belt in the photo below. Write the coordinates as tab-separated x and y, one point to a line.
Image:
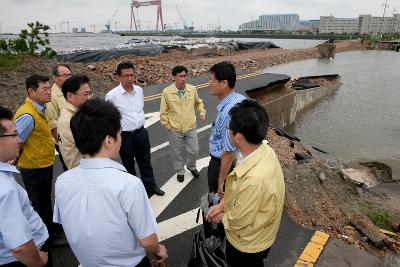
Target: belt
134	131
215	158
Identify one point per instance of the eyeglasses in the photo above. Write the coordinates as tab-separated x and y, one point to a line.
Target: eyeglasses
10	135
64	75
88	93
127	75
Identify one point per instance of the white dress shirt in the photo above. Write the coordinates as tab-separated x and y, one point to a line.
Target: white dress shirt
19	223
104	212
130	105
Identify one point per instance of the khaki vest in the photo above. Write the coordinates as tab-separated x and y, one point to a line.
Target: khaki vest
39	146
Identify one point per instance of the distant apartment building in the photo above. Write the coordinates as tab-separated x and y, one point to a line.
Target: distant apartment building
363	24
277	22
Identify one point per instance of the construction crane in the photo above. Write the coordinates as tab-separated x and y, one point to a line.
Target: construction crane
66	22
108	24
180	15
136	4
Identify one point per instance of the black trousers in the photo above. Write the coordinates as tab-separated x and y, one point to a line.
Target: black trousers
213	173
61	158
136	147
44	248
38	183
236	258
144	263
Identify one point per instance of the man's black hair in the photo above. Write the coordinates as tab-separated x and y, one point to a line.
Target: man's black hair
179	69
54	70
124	65
73	83
5	114
224	71
250	119
93	121
34	80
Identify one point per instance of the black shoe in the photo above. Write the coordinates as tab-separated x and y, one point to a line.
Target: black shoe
157	191
180	178
195	173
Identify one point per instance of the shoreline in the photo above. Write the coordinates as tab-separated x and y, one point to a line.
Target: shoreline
154	69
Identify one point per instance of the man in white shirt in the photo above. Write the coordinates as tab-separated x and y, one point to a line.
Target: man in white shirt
22	232
104	210
129	100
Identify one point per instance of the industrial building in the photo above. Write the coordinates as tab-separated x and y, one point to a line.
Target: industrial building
276	22
364	24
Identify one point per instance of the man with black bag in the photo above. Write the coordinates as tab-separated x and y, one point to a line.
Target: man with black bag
252	206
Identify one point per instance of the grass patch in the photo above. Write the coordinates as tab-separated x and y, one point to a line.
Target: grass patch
10	62
378	216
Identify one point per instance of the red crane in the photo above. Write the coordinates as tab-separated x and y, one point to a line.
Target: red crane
138	4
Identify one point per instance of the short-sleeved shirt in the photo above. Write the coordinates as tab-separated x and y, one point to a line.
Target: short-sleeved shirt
19	223
104	211
219	140
25	123
130	105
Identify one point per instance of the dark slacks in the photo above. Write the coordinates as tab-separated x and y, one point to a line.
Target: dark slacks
38	183
136	147
236	258
144	263
61	158
213	173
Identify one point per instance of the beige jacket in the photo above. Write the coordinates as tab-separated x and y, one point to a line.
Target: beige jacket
54	107
177	112
69	151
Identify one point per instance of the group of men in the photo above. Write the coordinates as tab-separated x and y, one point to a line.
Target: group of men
102	206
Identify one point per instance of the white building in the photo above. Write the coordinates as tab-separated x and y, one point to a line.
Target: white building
312	25
363	24
277	22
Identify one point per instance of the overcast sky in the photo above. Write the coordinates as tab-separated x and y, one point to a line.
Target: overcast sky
204	14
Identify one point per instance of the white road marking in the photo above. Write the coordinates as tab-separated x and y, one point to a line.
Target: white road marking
172	188
179	224
151	118
165	144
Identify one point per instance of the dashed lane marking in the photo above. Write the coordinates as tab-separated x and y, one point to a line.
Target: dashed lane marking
204	85
313	250
179	224
165	144
172	188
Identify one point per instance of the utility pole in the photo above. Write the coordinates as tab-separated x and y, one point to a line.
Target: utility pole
385	5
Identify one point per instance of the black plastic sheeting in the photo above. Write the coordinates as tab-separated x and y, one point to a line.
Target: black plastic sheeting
107	54
151	50
256	45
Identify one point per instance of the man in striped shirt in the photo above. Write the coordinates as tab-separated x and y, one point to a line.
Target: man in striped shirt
222	82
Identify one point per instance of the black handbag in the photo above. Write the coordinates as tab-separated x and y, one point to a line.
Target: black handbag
207	252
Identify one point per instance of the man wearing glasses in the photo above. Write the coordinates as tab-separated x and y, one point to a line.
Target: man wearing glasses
22	232
129	100
60	73
76	91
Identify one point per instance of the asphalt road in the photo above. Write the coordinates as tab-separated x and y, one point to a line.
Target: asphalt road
176	211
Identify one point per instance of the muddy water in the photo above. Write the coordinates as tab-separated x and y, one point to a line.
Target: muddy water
362	118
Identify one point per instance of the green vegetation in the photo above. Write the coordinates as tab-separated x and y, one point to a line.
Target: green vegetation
9	61
372	40
378	216
31	41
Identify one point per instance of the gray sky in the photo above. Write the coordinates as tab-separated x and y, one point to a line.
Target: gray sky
204	14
